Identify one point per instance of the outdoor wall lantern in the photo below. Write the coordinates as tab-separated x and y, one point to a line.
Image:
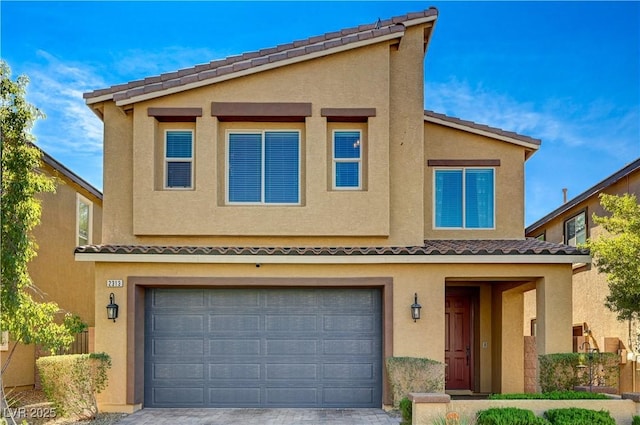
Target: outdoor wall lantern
112	308
415	308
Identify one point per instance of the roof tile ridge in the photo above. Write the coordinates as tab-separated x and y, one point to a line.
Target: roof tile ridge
374	28
480	126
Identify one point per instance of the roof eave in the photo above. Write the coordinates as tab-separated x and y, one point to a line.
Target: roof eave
530	147
333	259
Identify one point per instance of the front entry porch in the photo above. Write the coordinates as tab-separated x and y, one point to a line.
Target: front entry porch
484	331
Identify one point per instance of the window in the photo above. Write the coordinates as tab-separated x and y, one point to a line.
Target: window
84	212
347	160
464	198
263	167
178	159
575	229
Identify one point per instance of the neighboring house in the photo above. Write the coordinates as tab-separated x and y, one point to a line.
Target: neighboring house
273	216
71	216
572	224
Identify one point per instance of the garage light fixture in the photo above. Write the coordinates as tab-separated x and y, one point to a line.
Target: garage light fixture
415	308
112	308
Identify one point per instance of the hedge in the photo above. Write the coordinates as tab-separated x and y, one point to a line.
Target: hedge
71	382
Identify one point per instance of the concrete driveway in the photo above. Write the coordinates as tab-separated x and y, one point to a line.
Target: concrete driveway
261	417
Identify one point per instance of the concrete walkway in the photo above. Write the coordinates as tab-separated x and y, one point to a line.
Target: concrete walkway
261	417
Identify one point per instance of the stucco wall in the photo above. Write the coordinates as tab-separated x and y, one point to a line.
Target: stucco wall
424	338
452	144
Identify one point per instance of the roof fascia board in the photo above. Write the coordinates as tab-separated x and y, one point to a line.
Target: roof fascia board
329	259
481	132
63	170
252	70
419	21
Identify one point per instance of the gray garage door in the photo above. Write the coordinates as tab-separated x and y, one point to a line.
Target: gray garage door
263	348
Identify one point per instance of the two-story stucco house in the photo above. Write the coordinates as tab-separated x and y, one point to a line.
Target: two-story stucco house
572	224
274	215
70	217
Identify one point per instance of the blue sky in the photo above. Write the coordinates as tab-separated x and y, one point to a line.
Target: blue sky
565	72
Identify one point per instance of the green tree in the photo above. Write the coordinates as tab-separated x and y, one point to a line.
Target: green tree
617	253
22	313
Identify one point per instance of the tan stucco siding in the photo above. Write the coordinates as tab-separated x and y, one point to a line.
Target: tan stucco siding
356	79
54	271
443	143
424	338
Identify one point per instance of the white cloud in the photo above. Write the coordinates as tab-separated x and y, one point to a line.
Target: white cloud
56	88
596	124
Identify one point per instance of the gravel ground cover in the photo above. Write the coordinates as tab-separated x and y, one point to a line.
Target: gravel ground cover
33	406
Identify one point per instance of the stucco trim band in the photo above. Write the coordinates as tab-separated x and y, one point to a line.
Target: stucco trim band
272	111
463	162
328	259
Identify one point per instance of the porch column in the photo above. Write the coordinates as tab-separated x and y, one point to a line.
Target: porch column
512	353
554	312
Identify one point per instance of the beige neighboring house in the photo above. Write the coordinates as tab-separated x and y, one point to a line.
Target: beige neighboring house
71	216
270	219
572	224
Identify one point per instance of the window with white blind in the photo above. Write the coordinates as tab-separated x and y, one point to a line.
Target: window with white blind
347	159
178	159
263	167
84	218
464	198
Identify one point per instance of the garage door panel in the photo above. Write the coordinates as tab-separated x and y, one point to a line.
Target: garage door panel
178	371
348	371
178	299
177	347
172	396
235	371
292	372
347	396
233	323
348	346
291	323
290	347
349	323
291	396
177	323
235	397
236	347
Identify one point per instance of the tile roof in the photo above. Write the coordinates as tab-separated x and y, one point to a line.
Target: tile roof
262	58
593	191
513	247
475	127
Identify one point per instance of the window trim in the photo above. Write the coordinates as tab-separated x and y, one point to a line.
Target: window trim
464	215
262	133
191	160
573	217
335	160
81	199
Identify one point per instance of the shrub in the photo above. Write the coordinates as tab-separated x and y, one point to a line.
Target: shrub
560	372
411	374
71	382
636	420
406	407
553	395
509	416
576	416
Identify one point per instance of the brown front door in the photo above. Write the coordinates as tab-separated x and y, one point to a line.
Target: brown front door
458	340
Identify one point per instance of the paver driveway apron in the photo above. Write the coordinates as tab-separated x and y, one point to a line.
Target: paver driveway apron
213	416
